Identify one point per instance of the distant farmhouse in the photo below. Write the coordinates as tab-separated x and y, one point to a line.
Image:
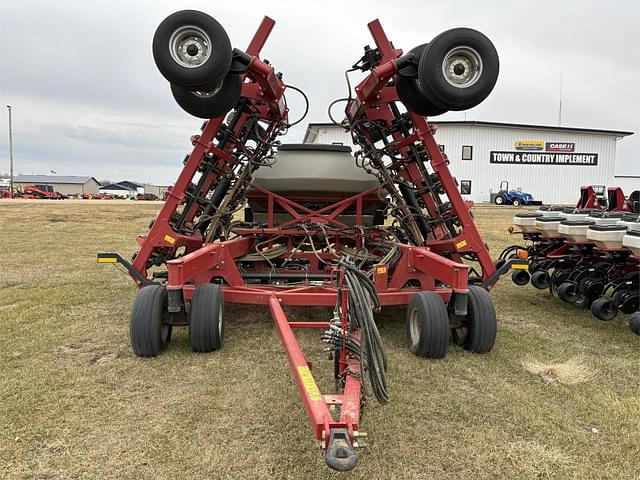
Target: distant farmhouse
65	184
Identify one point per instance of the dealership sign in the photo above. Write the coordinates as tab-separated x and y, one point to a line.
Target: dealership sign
560	147
543	158
529	145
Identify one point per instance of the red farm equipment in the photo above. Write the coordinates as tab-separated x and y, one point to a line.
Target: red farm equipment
588	256
302	247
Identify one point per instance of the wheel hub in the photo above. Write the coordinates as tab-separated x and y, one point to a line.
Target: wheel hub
462	67
190	46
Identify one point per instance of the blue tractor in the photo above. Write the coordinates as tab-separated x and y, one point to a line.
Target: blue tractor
513	197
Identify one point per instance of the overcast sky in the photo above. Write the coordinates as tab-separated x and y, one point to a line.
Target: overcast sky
87	98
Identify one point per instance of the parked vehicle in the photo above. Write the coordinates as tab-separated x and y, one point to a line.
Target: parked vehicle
514	197
146	196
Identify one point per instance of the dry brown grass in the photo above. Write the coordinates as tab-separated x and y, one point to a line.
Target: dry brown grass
571	372
76	404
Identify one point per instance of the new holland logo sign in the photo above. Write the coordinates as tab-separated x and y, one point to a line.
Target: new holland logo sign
542	158
529	145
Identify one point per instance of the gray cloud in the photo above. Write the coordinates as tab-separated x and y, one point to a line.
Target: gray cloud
88	99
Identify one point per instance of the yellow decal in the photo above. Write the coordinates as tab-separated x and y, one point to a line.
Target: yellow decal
529	145
381	270
461	244
309	383
170	239
518	266
107	260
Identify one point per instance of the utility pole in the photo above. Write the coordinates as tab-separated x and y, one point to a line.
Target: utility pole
560	105
10	155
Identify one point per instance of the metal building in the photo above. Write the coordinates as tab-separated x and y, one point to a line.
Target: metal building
549	162
65	184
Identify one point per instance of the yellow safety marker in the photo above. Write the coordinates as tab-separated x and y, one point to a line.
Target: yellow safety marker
107	260
309	383
170	239
518	266
461	244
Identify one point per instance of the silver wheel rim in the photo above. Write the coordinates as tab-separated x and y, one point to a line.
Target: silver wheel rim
498	200
462	67
190	46
414	327
208	93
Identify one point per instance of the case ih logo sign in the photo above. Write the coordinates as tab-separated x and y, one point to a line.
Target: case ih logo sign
560	147
540	158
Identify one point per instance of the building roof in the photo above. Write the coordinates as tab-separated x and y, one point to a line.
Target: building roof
616	133
130	184
74	179
118	186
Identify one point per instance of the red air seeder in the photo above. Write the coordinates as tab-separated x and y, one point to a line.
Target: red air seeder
197	257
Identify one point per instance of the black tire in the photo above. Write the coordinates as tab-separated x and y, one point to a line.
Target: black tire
479	328
206	319
203	105
457	48
567	292
186	28
149	329
603	309
410	93
500	200
516	202
520	277
541	279
634	323
427	325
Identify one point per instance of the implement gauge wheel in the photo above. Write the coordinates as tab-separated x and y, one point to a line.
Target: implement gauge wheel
212	103
427	325
192	49
411	94
206	324
478	330
458	69
149	327
604	309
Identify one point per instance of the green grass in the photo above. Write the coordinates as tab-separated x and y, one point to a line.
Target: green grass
75	403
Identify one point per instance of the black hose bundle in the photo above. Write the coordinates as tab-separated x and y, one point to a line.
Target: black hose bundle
363	300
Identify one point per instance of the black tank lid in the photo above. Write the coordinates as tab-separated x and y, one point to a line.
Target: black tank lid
528	215
634	233
549	219
548	208
608	228
578	223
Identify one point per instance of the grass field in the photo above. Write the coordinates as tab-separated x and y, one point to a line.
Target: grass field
75	403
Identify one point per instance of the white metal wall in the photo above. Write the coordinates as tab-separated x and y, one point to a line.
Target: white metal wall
549	183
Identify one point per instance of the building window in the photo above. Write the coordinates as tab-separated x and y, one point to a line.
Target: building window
465	187
441	147
467	152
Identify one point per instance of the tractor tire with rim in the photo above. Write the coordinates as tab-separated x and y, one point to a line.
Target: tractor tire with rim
516	202
459	69
209	104
410	93
500	200
192	49
206	319
427	325
603	309
149	329
478	331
